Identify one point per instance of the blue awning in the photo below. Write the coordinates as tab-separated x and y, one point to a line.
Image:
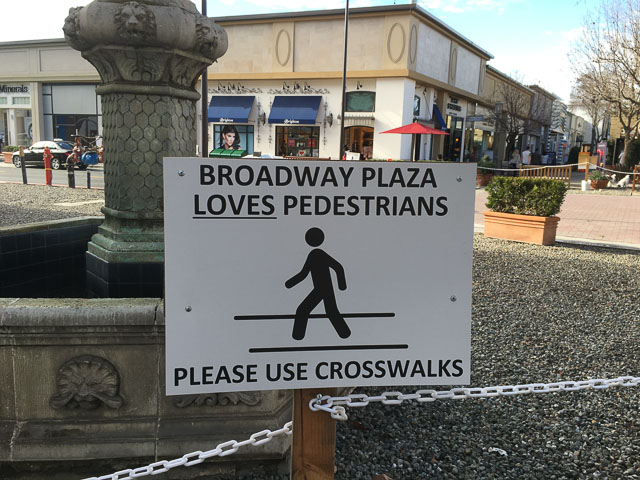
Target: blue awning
295	110
438	115
230	109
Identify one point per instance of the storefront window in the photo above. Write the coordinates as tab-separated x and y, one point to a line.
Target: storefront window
361	102
21	100
244	136
416	106
65	126
297	141
3	100
359	140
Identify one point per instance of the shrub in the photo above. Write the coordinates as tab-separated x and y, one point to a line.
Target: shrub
526	196
10	148
598	175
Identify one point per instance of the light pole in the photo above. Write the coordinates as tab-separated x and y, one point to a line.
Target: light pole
344	78
204	146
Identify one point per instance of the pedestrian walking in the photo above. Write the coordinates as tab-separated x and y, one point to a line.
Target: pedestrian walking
514	163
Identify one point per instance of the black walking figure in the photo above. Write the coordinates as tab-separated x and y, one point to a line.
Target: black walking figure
319	264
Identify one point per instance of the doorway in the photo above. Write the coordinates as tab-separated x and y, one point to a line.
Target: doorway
359	140
453	142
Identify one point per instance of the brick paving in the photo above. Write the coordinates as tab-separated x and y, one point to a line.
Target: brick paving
590	216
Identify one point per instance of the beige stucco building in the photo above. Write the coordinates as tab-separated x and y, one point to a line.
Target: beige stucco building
402	64
47	90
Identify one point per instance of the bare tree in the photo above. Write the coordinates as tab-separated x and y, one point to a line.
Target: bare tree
513	106
587	96
607	60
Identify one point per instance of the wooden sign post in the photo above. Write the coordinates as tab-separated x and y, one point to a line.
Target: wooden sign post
314	438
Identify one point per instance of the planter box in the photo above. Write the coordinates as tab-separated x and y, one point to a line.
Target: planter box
483	179
521	228
7	156
599	184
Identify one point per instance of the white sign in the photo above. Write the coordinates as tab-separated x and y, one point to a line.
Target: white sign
297	274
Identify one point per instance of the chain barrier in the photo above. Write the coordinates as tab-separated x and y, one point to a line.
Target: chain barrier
543	167
194	458
336	405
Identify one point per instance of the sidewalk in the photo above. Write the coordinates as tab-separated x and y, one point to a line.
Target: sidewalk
591	218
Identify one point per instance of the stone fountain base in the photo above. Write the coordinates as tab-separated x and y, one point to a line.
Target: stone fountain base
82	387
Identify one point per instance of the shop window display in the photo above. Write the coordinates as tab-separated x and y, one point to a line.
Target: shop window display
297	141
243	136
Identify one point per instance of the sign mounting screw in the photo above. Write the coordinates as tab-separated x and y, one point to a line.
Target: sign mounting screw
459	179
181	173
453	298
187	308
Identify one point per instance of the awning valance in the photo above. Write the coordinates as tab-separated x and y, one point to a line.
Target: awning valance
362	119
295	109
231	108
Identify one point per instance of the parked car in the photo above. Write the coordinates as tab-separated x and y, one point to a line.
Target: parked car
33	155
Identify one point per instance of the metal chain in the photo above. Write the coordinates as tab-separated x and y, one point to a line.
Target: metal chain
194	458
543	167
336	405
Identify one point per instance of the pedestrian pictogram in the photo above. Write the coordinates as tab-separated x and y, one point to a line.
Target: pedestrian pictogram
319	265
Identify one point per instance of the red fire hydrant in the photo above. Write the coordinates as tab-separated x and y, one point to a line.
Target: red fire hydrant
47	164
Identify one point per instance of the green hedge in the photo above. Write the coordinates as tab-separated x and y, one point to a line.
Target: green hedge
10	148
526	196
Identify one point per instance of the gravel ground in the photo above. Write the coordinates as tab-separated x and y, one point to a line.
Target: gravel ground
32	203
540	314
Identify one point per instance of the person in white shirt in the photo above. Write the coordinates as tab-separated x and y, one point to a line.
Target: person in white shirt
526	156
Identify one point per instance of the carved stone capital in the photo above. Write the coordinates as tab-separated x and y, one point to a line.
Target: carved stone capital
146	40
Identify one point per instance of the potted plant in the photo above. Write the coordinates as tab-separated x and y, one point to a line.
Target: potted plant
7	152
598	180
524	209
484	176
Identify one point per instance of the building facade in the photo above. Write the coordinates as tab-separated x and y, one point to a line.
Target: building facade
47	91
285	98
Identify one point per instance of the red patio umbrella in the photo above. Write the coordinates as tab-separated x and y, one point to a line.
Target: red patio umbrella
416	128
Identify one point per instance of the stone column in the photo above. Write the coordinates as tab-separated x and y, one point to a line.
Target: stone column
149	54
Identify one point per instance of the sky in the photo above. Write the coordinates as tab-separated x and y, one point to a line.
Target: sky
529	39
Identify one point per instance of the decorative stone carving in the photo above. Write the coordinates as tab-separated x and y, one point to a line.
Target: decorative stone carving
296	89
233	88
136	23
213	399
87	382
149	54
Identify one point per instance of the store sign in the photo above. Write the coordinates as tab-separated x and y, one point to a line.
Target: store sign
226	120
453	105
14	89
290	121
476	118
298	274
